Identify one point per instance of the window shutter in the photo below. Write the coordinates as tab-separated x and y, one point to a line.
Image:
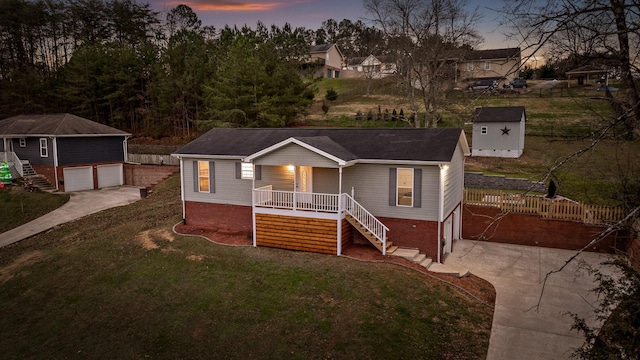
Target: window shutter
238	170
258	172
392	186
196	178
212	178
417	188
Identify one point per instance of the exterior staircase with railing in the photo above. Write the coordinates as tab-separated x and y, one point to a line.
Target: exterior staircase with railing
367	224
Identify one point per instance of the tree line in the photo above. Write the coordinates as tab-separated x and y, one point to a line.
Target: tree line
118	63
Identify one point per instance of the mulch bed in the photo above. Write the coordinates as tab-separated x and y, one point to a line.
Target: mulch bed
473	285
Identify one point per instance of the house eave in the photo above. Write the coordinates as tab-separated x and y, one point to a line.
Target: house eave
204	156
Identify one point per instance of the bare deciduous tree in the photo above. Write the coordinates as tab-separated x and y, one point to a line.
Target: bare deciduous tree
428	35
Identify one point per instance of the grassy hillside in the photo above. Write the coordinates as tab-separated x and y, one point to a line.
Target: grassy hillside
121	285
560	122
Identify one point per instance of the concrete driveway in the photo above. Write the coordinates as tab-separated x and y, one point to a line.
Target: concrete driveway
80	204
517	272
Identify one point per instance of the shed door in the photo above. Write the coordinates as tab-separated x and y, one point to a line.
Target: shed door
78	178
110	175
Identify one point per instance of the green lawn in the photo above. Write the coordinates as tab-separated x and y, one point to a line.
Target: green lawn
19	206
120	285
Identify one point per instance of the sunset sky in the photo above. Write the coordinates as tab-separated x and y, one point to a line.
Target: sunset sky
307	13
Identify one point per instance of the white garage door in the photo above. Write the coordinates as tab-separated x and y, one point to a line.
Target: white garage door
110	175
78	178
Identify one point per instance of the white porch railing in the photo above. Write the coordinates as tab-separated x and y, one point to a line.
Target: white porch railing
364	217
17	163
266	197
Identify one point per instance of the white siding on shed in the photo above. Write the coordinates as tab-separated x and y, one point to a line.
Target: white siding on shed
78	178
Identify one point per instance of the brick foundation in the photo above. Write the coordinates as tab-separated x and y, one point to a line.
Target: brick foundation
419	234
232	218
533	230
147	175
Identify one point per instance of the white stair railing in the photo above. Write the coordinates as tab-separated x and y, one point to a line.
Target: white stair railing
364	217
17	163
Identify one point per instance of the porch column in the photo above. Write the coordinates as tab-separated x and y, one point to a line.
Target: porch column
253	205
339	239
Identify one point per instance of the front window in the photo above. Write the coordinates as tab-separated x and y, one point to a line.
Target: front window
483	130
23	142
203	176
44	151
470	66
246	171
487	65
405	187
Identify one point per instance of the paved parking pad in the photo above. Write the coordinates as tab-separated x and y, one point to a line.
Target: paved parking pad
520	330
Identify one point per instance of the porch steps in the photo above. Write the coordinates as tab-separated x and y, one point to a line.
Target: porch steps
40	182
27	170
368	235
415	256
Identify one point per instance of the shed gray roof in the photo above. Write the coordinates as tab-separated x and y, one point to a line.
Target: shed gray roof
406	144
55	125
498	114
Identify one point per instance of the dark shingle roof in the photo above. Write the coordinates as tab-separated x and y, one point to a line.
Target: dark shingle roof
55	125
493	54
498	114
437	145
320	48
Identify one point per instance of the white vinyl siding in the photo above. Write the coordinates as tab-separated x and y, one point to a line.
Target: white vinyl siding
279	177
293	154
327	181
371	187
454	181
228	189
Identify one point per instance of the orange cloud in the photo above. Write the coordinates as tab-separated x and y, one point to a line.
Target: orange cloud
230	5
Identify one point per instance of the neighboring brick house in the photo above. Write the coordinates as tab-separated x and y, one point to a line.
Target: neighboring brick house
494	64
318	189
73	153
328	59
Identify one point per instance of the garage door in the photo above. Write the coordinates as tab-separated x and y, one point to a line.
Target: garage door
78	178
110	175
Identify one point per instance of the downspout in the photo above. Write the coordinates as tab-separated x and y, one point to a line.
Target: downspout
340	209
125	149
253	206
55	160
440	211
182	196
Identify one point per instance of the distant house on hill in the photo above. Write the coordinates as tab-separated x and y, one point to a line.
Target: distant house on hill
328	60
492	64
498	131
373	66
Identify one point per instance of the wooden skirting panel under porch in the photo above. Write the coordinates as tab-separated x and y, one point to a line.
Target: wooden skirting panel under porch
297	233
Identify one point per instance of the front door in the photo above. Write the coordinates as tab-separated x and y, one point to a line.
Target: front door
304	183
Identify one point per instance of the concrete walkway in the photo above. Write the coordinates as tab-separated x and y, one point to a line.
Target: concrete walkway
517	273
80	204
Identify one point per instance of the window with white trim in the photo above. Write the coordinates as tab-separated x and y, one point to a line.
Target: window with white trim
487	65
23	142
484	130
203	176
246	171
404	187
44	151
470	66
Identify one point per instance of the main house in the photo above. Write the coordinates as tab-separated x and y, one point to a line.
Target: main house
71	152
319	189
498	131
